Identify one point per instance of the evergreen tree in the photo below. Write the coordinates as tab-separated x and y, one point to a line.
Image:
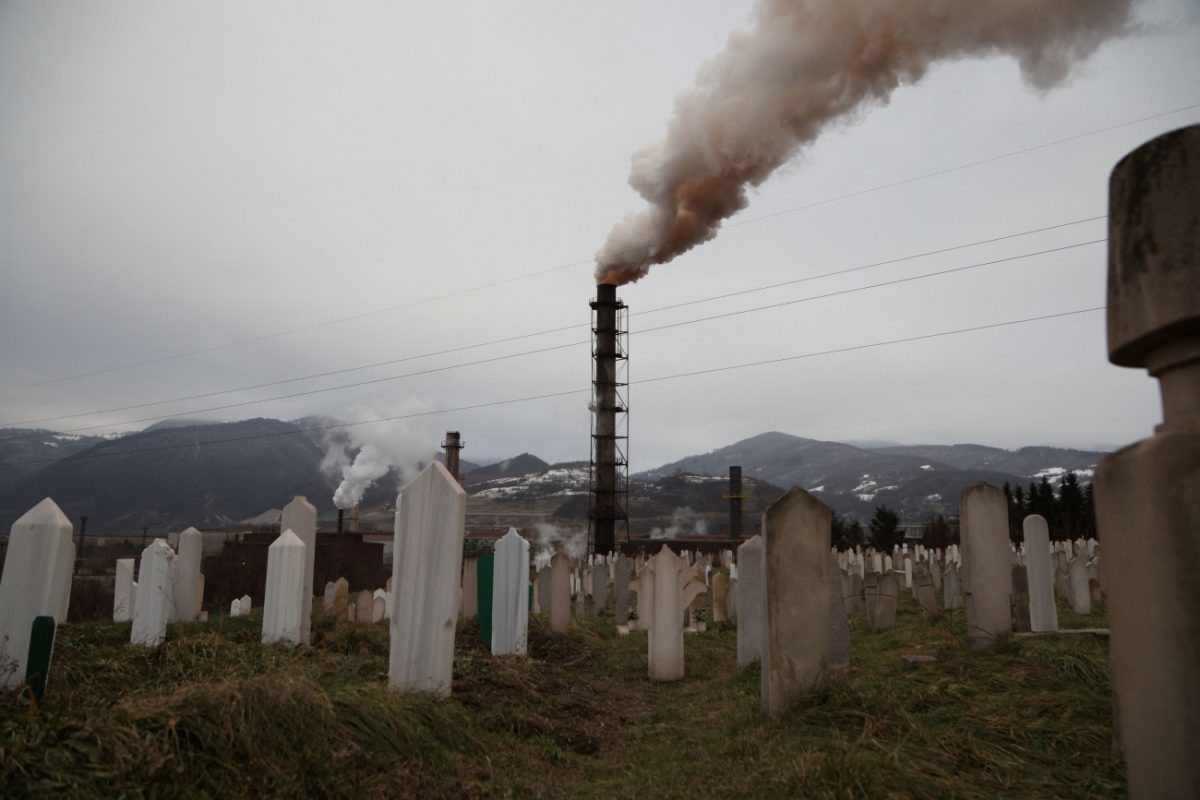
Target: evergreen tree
885	529
1071	507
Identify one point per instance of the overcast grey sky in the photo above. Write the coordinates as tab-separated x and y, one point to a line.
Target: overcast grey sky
177	176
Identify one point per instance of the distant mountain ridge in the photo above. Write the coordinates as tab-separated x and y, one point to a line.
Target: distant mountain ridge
164	478
915	480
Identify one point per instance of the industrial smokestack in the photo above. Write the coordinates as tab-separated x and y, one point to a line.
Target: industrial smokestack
341	520
453	445
609	487
735	502
805	66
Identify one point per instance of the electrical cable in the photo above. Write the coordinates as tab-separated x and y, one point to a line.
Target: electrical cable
526	276
531	398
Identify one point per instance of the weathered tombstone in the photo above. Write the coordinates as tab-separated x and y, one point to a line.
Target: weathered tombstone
341	599
247	605
154	600
621	589
983	512
599	587
1043	613
468	605
720	597
235	607
560	593
1148	494
750	602
284	600
670	587
935	573
123	591
923	589
854	597
378	606
731	600
839	628
1020	598
41	650
871	597
542	585
1097	594
36	582
426	565
485	568
510	596
300	517
887	596
1081	596
364	607
950	590
796	533
1062	583
352	612
327	599
189	591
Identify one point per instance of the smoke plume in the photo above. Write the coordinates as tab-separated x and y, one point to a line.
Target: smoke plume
549	539
683	520
403	445
804	65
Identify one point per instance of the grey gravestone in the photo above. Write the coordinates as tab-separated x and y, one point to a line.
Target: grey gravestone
839	628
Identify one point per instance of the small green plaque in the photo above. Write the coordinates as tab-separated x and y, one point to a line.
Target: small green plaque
41	647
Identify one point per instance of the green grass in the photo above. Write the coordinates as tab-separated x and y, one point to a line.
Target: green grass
212	713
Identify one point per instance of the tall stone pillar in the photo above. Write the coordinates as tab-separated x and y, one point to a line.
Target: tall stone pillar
1148	494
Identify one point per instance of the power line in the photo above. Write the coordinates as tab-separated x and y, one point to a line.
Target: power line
518	337
668	326
795	301
526	276
531	398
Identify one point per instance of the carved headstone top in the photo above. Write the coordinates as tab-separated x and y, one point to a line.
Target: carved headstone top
1154	248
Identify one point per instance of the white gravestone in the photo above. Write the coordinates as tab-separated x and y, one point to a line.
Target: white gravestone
670	587
284	601
36	582
987	575
510	595
621	590
749	594
426	565
123	591
156	582
1043	613
300	517
1081	596
796	534
188	594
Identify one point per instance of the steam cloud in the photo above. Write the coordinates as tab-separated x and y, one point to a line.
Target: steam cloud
804	65
399	444
549	539
683	520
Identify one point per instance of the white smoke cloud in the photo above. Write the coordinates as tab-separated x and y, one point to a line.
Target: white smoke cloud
404	445
683	520
804	65
549	539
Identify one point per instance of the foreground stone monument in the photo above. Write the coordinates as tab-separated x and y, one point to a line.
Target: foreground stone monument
796	533
1148	494
560	593
987	571
300	517
284	602
750	602
510	595
670	587
1039	572
123	589
189	583
426	568
36	582
155	597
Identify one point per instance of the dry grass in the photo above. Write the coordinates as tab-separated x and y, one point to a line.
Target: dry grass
213	713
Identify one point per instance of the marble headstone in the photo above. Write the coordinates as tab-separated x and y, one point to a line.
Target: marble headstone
510	595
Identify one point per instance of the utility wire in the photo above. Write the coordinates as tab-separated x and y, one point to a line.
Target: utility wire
116	451
518	337
526	276
552	348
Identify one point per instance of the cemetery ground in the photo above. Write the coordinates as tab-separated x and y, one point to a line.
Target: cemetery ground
211	712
